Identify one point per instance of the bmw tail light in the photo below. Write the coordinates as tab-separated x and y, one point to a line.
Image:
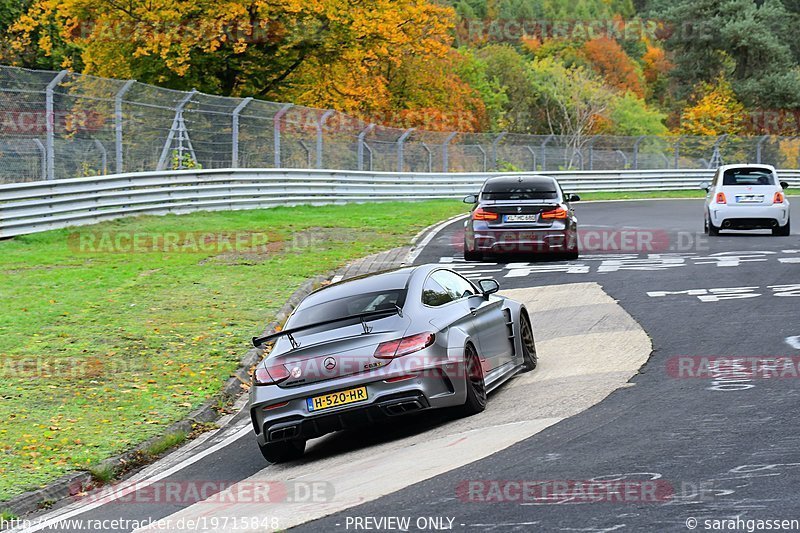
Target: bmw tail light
778	198
271	376
721	198
482	214
404	346
556	214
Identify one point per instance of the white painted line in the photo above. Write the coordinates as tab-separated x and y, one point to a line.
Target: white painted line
414	253
117	494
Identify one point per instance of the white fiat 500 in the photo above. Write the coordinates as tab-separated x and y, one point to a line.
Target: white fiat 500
742	197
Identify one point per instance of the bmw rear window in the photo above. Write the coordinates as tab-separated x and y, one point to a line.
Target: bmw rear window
519	191
748	176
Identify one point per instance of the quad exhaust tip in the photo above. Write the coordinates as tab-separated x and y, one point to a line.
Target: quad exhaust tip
402	408
286	433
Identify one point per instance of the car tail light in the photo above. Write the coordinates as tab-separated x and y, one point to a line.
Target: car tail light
778	198
482	214
404	346
274	406
271	376
556	214
721	198
400	378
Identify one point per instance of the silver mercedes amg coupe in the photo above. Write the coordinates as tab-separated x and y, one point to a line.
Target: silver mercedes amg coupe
385	345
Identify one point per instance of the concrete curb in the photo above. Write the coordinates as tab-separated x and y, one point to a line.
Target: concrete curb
78	482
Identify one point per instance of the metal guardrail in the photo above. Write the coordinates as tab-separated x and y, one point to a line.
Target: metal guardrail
44	205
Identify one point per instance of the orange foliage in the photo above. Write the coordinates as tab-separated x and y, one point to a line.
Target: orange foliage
610	60
655	64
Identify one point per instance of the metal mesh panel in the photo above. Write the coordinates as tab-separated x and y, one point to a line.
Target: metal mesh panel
66	125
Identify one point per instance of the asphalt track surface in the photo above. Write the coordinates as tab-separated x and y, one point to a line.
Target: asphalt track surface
721	446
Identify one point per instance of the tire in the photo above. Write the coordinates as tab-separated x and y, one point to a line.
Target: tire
529	358
570	256
281	452
705	225
476	386
472	256
713	230
783	231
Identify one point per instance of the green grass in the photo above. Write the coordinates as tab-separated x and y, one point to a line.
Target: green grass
101	351
170	440
641	195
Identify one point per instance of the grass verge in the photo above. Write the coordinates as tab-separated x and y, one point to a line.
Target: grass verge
101	350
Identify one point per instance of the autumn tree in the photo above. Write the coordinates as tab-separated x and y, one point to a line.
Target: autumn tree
573	102
610	61
716	111
333	53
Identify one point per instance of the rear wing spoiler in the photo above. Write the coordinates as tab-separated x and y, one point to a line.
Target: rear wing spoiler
258	342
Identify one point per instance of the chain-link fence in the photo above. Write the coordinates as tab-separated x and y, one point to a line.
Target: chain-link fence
59	125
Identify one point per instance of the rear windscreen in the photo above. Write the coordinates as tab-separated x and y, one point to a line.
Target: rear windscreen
348	306
519	191
748	176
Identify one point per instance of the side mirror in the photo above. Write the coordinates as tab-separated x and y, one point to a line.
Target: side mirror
573	198
784	185
488	286
471	199
705	186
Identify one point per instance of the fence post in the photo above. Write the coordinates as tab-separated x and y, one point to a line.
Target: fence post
759	146
235	131
533	157
485	159
43	152
591	152
677	152
400	143
103	155
495	142
624	159
50	125
320	123
177	125
361	136
118	124
446	152
276	132
544	156
636	152
430	156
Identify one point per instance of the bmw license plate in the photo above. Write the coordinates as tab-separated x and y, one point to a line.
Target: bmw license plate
750	199
520	218
335	399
